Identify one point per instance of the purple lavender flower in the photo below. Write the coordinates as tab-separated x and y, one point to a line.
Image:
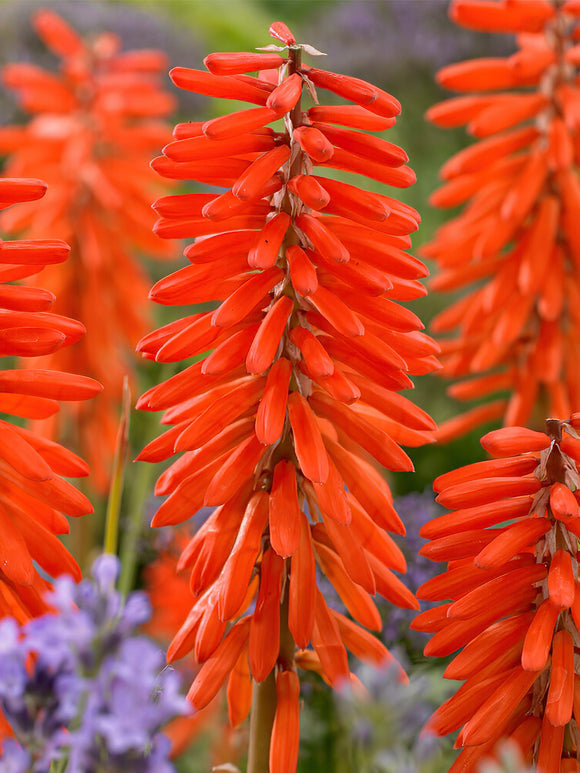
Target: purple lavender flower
80	687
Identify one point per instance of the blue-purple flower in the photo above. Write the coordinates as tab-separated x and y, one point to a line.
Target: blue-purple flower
79	686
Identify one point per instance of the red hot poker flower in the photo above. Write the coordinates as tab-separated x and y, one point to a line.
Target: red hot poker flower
93	126
34	495
518	330
310	350
512	607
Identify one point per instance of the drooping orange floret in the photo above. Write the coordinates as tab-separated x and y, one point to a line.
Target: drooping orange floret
34	495
93	127
511	611
514	247
310	350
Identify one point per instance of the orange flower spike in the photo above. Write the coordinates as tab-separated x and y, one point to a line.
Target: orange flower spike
529	571
109	107
307	273
521	178
285	738
34	498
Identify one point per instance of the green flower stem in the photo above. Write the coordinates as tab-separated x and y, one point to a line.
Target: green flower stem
261	720
134	530
118	474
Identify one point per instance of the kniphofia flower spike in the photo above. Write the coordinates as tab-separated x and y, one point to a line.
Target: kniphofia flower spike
517	236
278	424
93	128
34	495
512	604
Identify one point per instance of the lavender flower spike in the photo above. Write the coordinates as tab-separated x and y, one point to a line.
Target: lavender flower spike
80	688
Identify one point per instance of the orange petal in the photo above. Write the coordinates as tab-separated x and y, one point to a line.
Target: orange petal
285	738
377	443
241	62
265	626
308	444
271	412
286	95
315	356
233	124
239	304
365	645
489	645
539	637
478	517
550	751
512	541
355	89
309	190
239	467
561	690
313	142
236	574
349	115
328	644
267	339
492	716
506	588
561	585
249	186
264	250
302	272
563	503
226	87
285	521
239	692
365	145
214	671
509	441
486	490
324	241
302	594
356	600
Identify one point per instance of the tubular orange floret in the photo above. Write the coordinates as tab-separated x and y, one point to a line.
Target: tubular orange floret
513	595
515	236
310	348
